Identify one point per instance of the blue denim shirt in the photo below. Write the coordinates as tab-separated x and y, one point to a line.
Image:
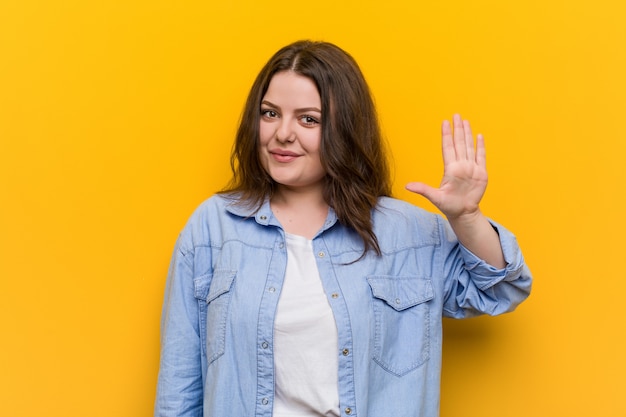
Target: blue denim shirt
224	283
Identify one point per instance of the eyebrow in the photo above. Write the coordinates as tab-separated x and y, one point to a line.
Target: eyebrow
304	109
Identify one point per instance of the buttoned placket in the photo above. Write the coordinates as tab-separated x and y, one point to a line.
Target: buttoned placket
267	312
345	376
265	329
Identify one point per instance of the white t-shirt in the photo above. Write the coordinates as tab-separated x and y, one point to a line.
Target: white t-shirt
305	339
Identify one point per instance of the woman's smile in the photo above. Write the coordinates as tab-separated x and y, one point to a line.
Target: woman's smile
283	156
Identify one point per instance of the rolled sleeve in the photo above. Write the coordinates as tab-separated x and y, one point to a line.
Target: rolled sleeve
486	275
476	287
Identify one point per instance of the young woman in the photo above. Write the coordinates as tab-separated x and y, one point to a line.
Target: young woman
304	289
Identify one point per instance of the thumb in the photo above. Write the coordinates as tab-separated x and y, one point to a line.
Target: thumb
422	189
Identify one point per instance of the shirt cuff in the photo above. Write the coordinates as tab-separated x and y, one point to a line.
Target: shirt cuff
486	275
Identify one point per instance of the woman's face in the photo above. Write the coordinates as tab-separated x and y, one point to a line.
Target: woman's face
291	132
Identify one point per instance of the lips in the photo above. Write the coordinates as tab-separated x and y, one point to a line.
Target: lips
282	155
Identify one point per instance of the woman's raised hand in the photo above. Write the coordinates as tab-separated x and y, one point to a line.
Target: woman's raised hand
464	175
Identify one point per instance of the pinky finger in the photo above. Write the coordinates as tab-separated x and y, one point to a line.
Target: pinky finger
481	154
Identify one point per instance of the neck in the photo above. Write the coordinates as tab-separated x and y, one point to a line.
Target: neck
300	212
299	197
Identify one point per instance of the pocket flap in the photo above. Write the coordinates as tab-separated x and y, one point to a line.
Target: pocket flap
399	292
209	287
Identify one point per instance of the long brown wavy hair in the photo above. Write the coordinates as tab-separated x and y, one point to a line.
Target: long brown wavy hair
352	150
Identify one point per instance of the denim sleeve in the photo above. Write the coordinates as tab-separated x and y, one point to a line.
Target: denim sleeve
179	389
474	287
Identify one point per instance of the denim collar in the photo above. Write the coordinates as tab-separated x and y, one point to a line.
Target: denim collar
264	216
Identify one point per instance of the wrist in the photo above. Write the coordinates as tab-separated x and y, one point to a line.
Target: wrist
466	219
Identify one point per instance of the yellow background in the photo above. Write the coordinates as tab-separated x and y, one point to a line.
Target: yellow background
116	121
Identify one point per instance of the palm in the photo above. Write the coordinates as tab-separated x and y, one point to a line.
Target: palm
465	174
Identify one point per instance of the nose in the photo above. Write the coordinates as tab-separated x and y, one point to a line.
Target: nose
285	132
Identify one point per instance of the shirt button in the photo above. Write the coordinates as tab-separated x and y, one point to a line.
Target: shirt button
345	352
263	217
271	289
348	410
265	345
265	401
321	254
397	301
282	245
334	295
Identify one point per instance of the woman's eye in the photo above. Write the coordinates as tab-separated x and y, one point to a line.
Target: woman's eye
268	113
309	120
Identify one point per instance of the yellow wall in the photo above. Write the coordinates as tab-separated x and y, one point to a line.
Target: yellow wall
116	119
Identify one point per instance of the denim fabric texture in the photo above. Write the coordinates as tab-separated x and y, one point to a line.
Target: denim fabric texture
224	283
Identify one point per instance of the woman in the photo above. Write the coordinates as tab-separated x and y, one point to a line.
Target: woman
304	289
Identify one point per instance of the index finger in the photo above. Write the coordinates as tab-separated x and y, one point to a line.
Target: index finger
447	142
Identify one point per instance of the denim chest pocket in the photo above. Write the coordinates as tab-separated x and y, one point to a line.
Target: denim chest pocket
213	294
402	321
